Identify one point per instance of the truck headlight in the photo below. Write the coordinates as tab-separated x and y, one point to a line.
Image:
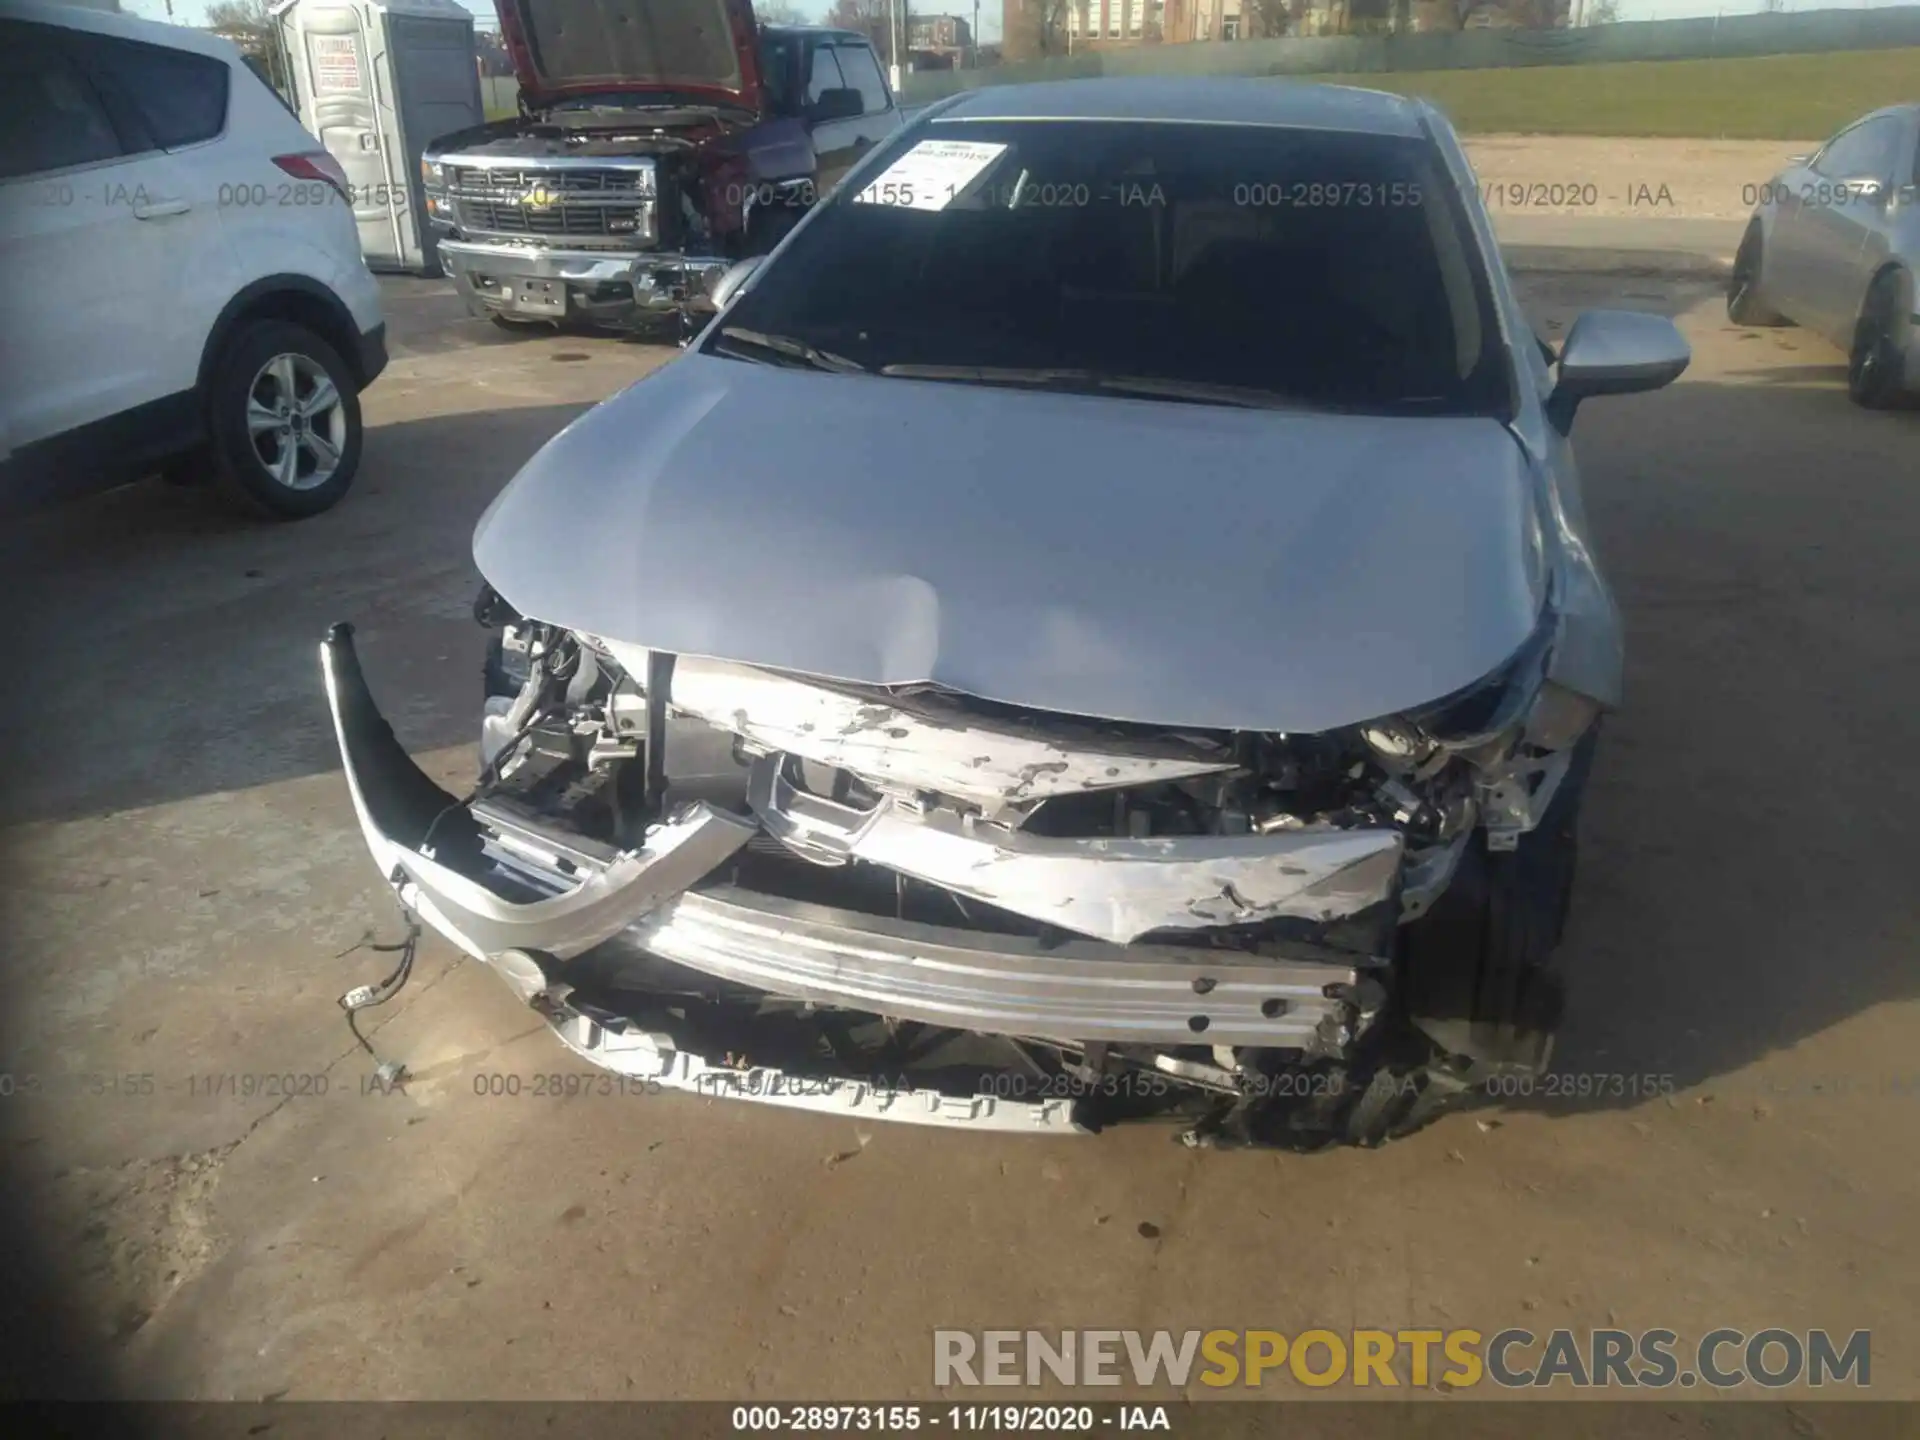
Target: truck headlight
432	174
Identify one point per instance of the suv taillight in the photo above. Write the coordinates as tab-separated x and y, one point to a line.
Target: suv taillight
317	165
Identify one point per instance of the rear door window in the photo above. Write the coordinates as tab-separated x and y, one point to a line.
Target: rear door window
50	117
179	98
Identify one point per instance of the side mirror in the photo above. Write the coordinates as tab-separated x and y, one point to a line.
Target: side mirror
1615	352
835	105
731	279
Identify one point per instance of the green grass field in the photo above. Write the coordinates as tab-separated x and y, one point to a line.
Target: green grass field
1767	97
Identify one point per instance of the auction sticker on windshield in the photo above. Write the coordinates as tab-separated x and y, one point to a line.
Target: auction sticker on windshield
930	175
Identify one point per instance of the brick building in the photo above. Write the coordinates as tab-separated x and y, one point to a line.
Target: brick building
944	35
1073	25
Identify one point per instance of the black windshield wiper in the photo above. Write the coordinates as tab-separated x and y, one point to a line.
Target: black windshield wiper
1093	382
789	348
1203	392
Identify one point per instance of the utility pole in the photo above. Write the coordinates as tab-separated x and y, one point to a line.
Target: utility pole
895	73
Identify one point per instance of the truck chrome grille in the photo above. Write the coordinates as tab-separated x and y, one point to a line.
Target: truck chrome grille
558	203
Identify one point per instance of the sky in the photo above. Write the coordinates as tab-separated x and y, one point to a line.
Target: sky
193	12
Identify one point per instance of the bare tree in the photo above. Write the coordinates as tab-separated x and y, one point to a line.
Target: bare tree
1050	24
1458	12
1268	19
1523	14
871	18
779	12
250	18
251	26
1602	12
1537	14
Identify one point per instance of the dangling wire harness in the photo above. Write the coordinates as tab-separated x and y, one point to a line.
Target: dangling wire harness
389	1073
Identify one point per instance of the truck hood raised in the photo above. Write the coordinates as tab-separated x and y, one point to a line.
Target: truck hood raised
704	49
1180	565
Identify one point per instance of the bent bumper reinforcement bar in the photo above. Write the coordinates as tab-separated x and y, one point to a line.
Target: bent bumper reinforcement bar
457	866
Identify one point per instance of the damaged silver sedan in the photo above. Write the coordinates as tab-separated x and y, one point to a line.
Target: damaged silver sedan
1100	625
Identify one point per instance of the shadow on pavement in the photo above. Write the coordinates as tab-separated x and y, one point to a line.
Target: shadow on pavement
176	644
1744	882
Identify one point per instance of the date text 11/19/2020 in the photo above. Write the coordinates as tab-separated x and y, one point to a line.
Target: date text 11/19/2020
963	1419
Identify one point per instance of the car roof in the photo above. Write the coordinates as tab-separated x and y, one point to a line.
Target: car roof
821	30
127	27
1210	100
1905	109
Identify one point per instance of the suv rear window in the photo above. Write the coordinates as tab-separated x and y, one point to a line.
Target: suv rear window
179	97
50	118
1331	269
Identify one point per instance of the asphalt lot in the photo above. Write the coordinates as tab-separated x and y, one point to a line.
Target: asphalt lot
182	875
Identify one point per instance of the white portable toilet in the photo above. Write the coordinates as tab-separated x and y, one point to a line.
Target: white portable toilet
378	81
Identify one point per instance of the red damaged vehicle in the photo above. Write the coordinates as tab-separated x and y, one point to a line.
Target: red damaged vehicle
659	141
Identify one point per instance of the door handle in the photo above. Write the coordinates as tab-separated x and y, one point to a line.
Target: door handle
159	209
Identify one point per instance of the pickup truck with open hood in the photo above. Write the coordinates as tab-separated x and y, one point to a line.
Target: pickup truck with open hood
658	142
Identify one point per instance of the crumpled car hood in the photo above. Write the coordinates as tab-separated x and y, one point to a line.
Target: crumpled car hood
1140	560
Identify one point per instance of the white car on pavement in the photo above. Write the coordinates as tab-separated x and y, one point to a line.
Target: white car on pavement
184	284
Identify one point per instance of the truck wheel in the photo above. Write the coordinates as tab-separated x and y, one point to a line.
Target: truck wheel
284	415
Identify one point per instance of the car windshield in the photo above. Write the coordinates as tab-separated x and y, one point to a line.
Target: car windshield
1204	264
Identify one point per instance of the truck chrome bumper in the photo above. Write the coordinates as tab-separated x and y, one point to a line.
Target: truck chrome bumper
601	285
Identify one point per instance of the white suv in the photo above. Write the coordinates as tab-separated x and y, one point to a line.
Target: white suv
181	283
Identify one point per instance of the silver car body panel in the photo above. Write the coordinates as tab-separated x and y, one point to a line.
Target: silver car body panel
614	890
1115	889
1823	244
1179	565
1003	604
1589	653
992	765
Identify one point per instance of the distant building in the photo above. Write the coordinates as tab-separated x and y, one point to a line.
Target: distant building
939	42
1106	24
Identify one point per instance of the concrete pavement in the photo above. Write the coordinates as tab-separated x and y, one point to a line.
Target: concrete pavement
208	1200
1621	245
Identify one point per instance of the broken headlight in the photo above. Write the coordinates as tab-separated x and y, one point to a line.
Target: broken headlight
1482	720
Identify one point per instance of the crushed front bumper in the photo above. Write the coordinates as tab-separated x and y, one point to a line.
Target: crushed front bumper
529	899
538	282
